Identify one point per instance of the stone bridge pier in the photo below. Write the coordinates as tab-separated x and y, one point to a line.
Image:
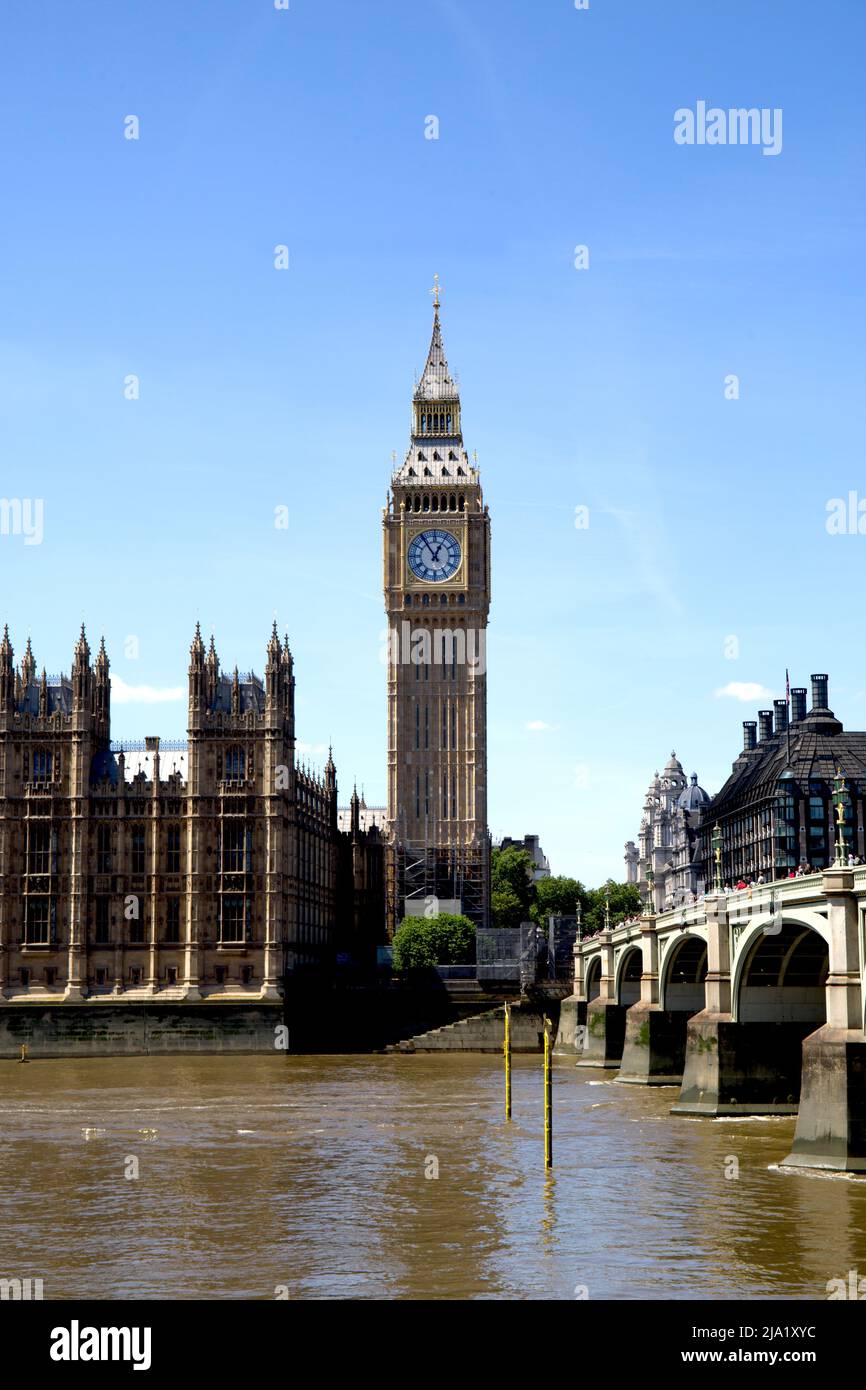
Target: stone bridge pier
831	1121
655	1030
752	1002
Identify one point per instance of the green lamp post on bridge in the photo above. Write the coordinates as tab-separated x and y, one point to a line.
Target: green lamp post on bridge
839	802
717	858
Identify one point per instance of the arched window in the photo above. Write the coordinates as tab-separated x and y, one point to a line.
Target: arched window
417	503
425	504
435	503
449	422
235	764
452	502
41	765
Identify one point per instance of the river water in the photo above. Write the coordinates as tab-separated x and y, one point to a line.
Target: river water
307	1177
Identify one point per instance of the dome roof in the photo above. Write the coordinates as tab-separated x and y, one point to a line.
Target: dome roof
694	798
673	764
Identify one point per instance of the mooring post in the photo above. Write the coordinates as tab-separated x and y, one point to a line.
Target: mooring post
23	1057
506	1048
548	1096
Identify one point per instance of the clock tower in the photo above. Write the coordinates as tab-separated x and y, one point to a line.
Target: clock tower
437	597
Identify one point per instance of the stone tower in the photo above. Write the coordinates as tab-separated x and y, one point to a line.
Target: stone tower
437	597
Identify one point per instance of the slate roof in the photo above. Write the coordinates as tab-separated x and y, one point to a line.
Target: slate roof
818	746
250	690
436	383
59	696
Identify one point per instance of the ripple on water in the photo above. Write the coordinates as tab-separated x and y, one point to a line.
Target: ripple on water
339	1195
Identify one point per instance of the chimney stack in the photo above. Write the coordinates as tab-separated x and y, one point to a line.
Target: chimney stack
798	703
765	725
819	692
781	719
750	735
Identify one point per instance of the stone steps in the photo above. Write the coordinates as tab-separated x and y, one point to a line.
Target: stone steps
484	1032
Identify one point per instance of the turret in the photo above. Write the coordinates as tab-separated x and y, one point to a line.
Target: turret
7	675
82	676
288	680
212	673
196	674
273	671
330	785
28	666
103	690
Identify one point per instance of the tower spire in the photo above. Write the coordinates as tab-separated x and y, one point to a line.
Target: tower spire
436	383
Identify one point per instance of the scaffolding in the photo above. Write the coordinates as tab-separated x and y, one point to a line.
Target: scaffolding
430	874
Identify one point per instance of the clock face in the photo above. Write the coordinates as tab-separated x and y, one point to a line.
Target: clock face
434	555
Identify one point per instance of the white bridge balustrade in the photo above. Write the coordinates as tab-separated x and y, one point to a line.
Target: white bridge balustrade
752	1002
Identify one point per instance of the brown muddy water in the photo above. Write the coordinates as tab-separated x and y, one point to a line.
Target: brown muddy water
307	1177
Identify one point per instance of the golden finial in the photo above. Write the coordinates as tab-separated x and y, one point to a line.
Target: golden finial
435	292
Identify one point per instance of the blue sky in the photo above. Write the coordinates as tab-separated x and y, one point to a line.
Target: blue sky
602	388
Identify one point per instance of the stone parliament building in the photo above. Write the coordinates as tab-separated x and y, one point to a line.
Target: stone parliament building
215	869
209	868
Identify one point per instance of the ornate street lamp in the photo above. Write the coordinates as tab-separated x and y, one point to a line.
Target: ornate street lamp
839	803
717	858
649	909
607	907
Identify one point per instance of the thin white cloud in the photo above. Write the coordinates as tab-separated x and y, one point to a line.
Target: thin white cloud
314	750
123	694
538	726
747	691
644	538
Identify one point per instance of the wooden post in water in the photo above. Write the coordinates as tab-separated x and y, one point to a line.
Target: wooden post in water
506	1048
23	1057
548	1097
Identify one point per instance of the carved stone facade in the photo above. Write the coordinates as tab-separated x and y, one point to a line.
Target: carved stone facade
437	597
208	868
669	840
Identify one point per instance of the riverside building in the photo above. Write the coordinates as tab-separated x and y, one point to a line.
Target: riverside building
776	813
669	852
208	868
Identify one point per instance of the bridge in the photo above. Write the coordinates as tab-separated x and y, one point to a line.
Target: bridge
752	1002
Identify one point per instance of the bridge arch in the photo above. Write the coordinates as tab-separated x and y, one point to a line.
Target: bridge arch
629	969
780	971
593	978
683	973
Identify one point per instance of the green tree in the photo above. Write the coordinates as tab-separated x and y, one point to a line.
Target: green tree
506	909
512	890
624	902
559	896
422	942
